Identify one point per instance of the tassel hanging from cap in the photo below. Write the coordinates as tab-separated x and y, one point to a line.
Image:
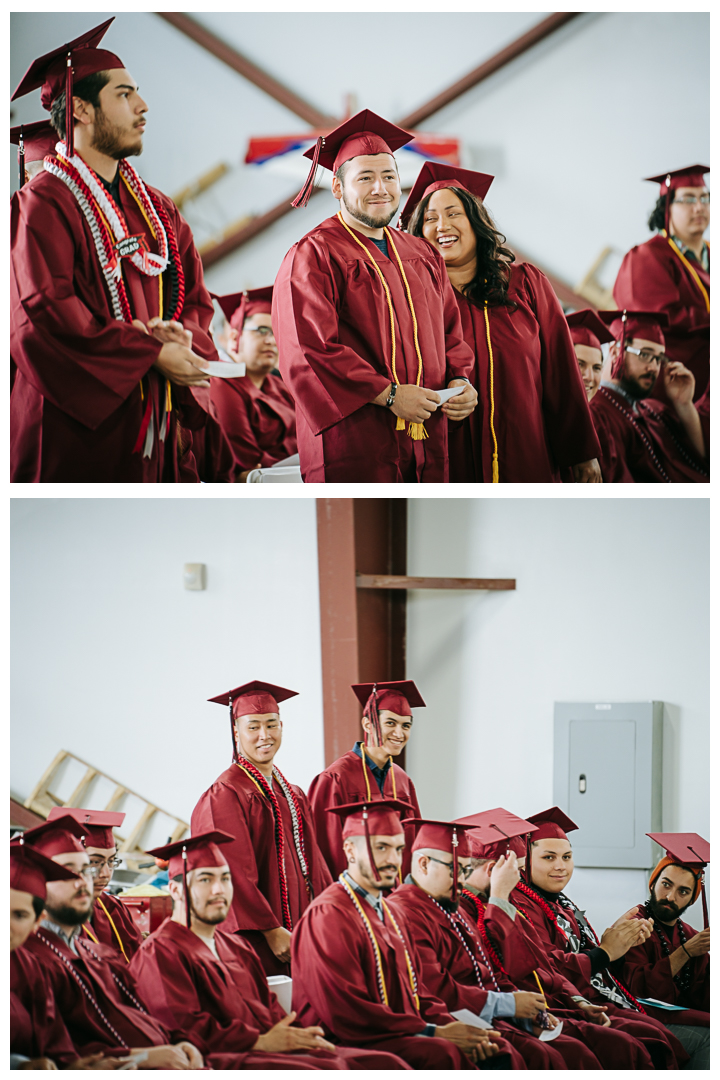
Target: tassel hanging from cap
304	197
619	364
371	857
69	111
186	894
21	158
232	732
374	717
668	180
453	895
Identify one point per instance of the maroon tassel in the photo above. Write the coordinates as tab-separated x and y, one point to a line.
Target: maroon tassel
304	197
620	362
528	875
185	889
453	895
69	122
232	732
668	180
21	157
371	857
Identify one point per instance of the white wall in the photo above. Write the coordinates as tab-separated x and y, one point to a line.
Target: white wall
611	605
113	659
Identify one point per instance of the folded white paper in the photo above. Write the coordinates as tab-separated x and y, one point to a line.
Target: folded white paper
548	1036
451	391
469	1018
281	986
221	369
283	463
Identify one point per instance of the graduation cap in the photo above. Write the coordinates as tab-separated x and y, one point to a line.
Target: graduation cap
56	837
30	870
97	824
626	325
447	836
552	824
379	817
193	853
495	832
690	176
689	851
34	142
434	175
237	307
60	69
587	329
251	698
364	133
399	696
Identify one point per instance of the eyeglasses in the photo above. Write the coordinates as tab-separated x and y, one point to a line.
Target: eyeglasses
463	871
648	357
692	200
111	864
263	331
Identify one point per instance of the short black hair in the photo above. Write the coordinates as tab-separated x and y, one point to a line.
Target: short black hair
88	89
38	906
656	221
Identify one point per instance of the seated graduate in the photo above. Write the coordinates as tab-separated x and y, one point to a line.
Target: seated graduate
355	970
673	964
275	861
573	946
588	332
110	921
454	965
99	1001
197	977
257	411
643	440
368	770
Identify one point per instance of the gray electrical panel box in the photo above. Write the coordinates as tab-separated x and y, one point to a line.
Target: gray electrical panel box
608	779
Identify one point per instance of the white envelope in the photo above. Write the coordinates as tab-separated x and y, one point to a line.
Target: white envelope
451	391
221	369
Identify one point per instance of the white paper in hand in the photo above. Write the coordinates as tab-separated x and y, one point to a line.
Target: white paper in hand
451	391
548	1036
469	1018
281	986
223	370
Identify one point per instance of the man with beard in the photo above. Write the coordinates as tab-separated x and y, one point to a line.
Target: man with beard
109	310
367	325
673	964
100	1002
368	771
643	440
211	984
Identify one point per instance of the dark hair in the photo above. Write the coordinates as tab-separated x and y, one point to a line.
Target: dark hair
493	259
88	89
38	906
656	220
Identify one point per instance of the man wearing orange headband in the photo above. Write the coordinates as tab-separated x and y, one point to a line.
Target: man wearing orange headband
367	325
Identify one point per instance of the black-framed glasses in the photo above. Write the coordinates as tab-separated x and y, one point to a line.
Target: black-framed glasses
112	864
463	871
263	331
647	356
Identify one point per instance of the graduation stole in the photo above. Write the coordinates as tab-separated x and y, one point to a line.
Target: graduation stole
689	267
265	788
376	948
682	979
91	935
415	431
482	930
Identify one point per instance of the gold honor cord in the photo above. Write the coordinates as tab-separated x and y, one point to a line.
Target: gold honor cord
415	431
114	928
367	779
495	463
411	972
691	270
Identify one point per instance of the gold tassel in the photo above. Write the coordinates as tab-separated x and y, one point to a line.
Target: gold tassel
496	471
399	424
417	432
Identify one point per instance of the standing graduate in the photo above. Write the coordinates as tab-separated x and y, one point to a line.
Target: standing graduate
275	860
671	271
256	411
368	770
34	142
367	325
109	313
533	417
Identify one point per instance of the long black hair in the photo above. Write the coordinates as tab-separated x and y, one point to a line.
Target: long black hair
494	260
656	221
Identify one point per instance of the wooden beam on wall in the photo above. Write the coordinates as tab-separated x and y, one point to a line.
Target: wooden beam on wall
399	581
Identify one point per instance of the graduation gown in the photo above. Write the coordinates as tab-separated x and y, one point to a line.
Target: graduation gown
77	405
653	278
646	972
541	419
344	782
111	923
234	804
644	447
259	422
332	325
224	1003
214	459
36	1027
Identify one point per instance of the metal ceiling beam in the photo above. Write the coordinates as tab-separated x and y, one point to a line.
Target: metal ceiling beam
234	59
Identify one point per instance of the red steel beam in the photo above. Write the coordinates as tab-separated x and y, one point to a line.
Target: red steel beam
234	59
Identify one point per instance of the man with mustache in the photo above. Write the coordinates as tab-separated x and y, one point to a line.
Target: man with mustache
110	316
643	440
196	976
368	771
367	325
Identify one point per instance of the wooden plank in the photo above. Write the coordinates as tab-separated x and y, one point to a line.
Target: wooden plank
78	795
44	781
398	581
133	840
117	796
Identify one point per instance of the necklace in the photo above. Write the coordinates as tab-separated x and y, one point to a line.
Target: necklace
455	918
683	977
491	950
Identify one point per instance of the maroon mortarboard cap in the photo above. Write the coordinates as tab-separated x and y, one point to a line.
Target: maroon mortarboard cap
587	329
399	696
59	70
690	176
201	850
252	698
253	302
229	303
364	133
30	870
56	837
383	817
441	835
434	175
687	849
552	824
626	325
97	824
493	832
38	139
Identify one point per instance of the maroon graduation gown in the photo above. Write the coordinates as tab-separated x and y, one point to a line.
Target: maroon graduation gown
259	422
344	782
644	447
211	450
541	419
653	278
76	407
646	972
332	325
335	984
36	1027
112	923
224	1003
234	804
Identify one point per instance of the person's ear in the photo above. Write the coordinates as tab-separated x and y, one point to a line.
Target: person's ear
336	188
